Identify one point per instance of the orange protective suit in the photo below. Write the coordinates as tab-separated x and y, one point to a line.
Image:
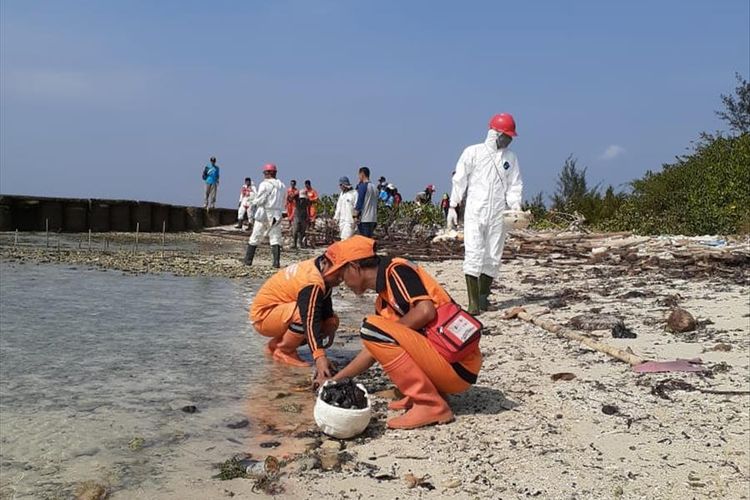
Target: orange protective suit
296	299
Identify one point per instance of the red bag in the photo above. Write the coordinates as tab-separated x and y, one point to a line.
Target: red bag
454	333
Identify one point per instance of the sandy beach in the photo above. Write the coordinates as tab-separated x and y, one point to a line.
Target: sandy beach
601	432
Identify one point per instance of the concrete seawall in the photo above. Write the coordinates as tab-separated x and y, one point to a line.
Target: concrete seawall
75	215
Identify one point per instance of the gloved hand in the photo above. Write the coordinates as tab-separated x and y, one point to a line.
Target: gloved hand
324	370
452	220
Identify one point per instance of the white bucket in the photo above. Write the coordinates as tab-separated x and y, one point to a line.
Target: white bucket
341	423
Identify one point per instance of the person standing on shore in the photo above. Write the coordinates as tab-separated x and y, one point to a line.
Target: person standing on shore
396	197
366	210
295	305
247	197
301	220
269	203
445	204
489	179
211	177
291	200
344	214
312	199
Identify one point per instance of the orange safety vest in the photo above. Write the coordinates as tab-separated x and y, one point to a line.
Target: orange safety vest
386	305
312	209
284	287
291	194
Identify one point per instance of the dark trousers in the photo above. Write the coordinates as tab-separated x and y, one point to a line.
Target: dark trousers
366	228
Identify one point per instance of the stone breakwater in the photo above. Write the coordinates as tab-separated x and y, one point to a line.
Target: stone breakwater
76	215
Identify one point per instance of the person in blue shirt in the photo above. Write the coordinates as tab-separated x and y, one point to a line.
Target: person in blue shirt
211	177
367	204
386	196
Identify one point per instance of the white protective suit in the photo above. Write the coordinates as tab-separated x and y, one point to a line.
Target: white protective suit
490	181
344	214
247	200
269	203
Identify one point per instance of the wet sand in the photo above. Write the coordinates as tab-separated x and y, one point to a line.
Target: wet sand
518	433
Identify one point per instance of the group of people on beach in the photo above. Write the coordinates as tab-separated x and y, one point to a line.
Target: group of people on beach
356	207
426	343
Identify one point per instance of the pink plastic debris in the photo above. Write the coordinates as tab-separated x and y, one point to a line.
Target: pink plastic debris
679	365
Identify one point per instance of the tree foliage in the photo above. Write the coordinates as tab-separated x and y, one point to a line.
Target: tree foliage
736	110
707	192
571	187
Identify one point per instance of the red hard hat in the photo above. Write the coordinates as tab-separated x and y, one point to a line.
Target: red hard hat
504	123
269	167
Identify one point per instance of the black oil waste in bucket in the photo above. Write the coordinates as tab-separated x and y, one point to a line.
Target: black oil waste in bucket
344	394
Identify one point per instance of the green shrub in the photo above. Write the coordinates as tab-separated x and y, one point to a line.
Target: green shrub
707	192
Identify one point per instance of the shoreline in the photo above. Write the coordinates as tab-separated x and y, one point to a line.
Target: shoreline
518	433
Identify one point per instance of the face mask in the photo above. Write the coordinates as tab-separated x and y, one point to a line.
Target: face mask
503	141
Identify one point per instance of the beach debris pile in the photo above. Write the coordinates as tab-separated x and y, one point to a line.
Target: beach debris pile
696	254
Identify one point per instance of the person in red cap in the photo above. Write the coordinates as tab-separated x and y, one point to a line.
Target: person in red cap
293	306
407	301
488	177
269	203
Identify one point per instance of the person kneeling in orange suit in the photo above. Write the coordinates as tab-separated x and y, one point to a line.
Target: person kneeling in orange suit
407	300
295	306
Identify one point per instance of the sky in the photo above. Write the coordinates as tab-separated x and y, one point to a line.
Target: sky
128	99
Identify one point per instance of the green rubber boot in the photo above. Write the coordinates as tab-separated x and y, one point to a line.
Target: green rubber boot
472	287
249	255
276	254
485	283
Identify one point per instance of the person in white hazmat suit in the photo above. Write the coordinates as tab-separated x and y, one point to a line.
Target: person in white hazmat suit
488	177
247	198
269	205
344	214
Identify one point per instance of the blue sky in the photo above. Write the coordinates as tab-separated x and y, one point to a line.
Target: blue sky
128	99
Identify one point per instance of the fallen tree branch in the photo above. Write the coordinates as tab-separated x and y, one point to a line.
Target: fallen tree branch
561	331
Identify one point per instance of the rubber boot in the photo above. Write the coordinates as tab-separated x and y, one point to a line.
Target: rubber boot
239	224
428	406
485	283
286	350
401	404
276	253
472	288
271	346
249	255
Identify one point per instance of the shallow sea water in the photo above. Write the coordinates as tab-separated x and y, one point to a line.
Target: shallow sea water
96	366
